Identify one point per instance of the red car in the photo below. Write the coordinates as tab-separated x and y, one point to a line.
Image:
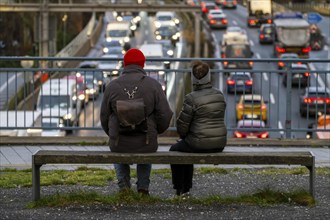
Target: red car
248	128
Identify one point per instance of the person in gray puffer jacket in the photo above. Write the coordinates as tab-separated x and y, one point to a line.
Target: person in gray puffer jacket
200	125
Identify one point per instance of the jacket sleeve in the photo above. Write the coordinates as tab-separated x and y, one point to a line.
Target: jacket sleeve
106	110
185	116
163	113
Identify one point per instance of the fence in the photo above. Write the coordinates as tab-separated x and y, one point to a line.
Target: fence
282	111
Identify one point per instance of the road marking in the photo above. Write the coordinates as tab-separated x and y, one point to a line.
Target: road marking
264	74
272	99
319	79
251	43
258	55
170	85
235	22
3	87
326	47
280	127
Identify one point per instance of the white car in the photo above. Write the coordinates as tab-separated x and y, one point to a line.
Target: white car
166	18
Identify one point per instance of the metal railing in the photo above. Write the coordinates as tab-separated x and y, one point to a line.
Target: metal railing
282	111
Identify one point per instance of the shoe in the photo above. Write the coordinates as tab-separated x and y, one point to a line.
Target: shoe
178	192
185	195
143	192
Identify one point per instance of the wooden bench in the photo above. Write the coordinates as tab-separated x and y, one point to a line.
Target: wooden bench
42	157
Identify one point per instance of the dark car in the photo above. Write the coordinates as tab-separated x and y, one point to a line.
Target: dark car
168	33
237	51
239	82
300	75
281	64
266	33
217	19
315	100
168	51
248	128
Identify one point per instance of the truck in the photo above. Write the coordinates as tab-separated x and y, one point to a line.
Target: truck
259	12
292	34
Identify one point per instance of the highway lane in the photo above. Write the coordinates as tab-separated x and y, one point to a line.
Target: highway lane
268	83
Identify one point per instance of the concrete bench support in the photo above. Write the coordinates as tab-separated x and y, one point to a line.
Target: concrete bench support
42	157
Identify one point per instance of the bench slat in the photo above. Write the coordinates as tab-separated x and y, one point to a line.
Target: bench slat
105	157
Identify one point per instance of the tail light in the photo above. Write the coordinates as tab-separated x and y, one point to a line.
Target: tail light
299	62
307	100
231	82
261	36
225	3
238	134
205	10
234	2
223	56
263	135
251	21
327	101
224	21
281	64
307	74
306	49
213	21
263	107
209	16
269	21
280	50
251	63
240	106
225	63
249	82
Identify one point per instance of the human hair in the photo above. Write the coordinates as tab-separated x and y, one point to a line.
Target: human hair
199	69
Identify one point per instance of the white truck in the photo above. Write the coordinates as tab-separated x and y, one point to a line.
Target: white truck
59	106
259	12
292	34
17	123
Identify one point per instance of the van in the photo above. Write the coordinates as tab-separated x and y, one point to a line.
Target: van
58	104
120	31
156	68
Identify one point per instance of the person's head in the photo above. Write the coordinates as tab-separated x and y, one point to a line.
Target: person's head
134	56
200	73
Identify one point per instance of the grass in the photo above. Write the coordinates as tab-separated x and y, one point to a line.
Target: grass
263	197
11	178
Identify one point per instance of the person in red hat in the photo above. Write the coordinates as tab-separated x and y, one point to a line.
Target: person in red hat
134	84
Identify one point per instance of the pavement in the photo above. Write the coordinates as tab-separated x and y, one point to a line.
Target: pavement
20	156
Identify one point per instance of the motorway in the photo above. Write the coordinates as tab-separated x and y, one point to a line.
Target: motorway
267	83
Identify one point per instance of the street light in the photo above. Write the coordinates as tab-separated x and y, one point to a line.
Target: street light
64	20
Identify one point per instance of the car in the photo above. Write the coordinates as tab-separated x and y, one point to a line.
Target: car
217	19
237	51
300	75
239	82
227	3
315	100
113	47
133	16
79	90
207	6
251	106
251	129
234	30
93	72
168	50
110	67
281	64
92	87
266	33
168	33
166	18
130	19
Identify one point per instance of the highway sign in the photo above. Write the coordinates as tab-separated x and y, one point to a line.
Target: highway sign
314	18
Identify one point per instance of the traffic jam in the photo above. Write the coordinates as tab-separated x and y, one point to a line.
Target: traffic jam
256	92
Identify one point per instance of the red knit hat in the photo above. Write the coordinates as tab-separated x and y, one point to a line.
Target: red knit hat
134	56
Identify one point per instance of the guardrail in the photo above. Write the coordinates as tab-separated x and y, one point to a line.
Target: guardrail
284	117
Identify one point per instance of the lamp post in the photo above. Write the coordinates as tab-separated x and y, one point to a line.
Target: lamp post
64	20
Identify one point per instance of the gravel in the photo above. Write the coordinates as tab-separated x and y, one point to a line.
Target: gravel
13	201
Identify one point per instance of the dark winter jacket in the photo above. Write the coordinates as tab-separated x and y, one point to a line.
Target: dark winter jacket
201	121
157	109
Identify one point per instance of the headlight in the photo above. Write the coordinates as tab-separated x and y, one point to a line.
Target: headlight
163	87
105	50
100	82
158	37
178	34
78	74
115	72
81	97
137	19
126	39
74	98
121	42
161	72
174	37
109	39
133	27
170	52
67	116
172	23
92	91
176	21
119	18
157	24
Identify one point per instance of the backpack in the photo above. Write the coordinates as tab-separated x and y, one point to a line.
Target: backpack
131	114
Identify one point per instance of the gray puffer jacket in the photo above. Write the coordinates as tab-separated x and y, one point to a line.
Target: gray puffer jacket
157	109
201	120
